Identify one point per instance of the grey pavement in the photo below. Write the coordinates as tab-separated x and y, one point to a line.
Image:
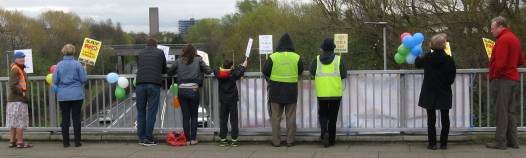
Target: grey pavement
260	150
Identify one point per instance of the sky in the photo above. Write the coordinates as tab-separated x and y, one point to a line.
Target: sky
132	14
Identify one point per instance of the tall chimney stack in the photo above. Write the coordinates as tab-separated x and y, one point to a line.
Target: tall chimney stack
154	20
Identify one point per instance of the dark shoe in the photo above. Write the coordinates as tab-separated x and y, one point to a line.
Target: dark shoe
495	146
223	142
432	147
274	145
234	143
66	145
78	145
443	147
290	144
514	146
141	142
325	140
149	143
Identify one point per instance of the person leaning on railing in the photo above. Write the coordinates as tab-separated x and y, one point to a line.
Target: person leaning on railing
69	77
227	76
328	71
283	70
190	69
151	64
436	94
17	118
504	76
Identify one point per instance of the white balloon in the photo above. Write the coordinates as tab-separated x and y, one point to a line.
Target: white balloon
123	82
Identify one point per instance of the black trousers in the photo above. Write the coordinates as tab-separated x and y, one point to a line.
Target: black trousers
328	115
228	110
70	110
190	108
431	128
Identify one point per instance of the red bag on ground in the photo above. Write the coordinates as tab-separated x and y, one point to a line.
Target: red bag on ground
176	138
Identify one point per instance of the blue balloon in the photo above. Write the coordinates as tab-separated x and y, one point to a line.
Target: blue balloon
112	77
418	37
416	51
410	59
55	88
409	42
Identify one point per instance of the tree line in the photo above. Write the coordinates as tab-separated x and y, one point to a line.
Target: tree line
465	22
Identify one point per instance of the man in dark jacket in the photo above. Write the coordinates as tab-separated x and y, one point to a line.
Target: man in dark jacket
151	65
227	77
328	77
282	71
504	76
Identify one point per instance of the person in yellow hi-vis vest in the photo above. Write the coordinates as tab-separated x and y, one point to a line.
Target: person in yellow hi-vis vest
329	71
282	71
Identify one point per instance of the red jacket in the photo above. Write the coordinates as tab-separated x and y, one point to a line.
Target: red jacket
507	56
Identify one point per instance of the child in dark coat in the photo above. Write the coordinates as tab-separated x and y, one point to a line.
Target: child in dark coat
227	77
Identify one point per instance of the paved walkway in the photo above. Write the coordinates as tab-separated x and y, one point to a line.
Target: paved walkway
260	150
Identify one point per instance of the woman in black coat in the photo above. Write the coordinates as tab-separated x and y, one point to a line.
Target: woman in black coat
436	94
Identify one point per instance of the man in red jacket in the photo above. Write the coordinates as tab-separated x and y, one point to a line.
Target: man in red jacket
504	76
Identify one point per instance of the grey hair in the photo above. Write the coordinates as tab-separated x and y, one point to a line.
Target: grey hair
500	21
438	41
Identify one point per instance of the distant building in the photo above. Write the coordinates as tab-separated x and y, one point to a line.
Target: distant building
154	20
184	25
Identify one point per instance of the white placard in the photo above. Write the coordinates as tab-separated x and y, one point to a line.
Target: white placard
249	47
166	51
29	59
342	43
204	55
265	44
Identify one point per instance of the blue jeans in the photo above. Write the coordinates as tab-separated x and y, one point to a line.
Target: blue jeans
189	106
148	98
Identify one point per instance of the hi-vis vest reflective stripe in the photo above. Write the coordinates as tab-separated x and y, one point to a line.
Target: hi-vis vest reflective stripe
328	79
22	84
284	67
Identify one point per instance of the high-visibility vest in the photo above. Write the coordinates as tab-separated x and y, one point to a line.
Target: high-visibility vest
284	67
22	84
328	79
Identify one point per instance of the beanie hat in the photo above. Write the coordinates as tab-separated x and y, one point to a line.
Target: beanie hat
328	45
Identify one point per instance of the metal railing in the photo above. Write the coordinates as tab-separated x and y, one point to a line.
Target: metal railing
374	101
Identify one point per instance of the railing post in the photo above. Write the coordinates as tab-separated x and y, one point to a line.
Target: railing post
402	101
52	108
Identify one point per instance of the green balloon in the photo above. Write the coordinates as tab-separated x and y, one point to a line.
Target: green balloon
402	50
120	93
399	58
174	88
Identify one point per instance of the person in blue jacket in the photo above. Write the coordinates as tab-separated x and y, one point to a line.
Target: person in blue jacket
69	77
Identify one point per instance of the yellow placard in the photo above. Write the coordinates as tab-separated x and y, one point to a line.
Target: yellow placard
488	45
342	43
447	49
90	51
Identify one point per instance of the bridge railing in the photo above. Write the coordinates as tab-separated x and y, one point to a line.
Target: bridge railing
374	101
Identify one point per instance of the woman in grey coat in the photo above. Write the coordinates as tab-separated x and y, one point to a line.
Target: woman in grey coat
189	70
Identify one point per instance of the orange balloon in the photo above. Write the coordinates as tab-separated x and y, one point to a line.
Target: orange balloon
175	102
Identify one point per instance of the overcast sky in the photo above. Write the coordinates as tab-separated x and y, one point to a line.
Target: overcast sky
132	14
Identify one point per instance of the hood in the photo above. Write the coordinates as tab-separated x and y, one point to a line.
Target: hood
328	45
285	44
327	57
